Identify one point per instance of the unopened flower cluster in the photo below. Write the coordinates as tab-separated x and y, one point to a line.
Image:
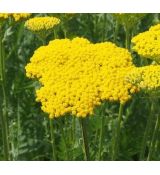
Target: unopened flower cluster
77	75
147	44
20	16
37	24
146	78
15	16
4	16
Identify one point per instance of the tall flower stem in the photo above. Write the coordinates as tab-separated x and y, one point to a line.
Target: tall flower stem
101	138
127	40
154	137
52	139
116	139
4	118
147	130
116	31
101	131
66	152
85	139
73	134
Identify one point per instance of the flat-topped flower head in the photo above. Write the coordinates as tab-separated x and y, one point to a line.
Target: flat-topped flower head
37	24
147	44
146	78
42	26
76	75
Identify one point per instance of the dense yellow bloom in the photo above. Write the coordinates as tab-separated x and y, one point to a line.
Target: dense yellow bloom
147	44
37	24
20	16
147	77
77	75
155	28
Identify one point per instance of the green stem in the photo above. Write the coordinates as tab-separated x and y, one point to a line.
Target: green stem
44	42
65	143
116	139
147	130
73	136
104	28
85	139
116	31
127	41
5	104
154	137
52	139
18	127
55	34
73	129
101	138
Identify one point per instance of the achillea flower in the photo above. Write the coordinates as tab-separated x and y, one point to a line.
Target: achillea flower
4	16
38	24
15	16
20	16
147	44
155	28
146	78
77	75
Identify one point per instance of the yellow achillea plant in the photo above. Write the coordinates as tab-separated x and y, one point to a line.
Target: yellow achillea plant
4	16
38	24
147	77
20	16
147	44
77	75
15	16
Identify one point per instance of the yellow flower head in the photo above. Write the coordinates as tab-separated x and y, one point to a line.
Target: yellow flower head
20	16
147	77
15	16
37	24
77	75
4	16
147	44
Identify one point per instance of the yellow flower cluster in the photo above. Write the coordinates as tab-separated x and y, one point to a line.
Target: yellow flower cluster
147	77
4	16
37	24
77	75
15	16
20	16
147	44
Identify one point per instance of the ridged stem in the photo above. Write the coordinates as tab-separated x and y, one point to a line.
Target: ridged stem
101	138
4	118
116	139
65	143
116	31
154	137
127	40
52	139
85	138
147	130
